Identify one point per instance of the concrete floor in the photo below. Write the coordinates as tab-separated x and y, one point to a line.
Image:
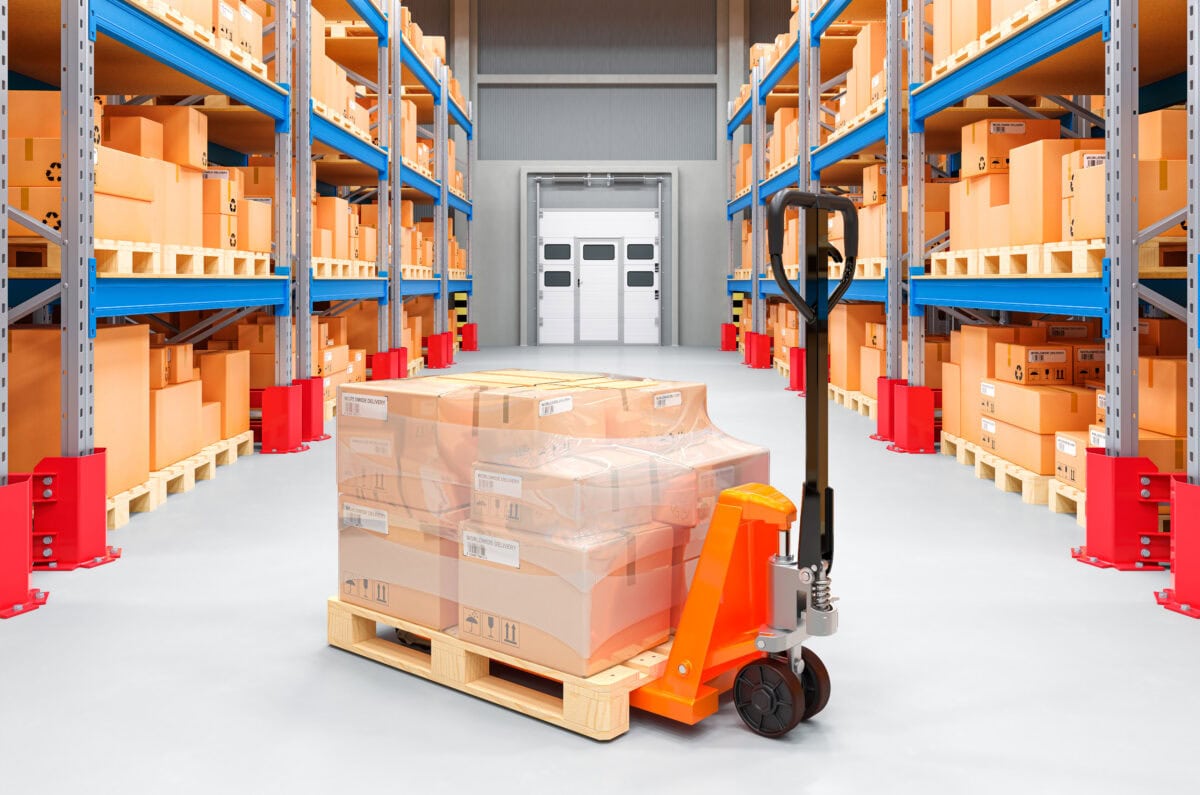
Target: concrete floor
974	654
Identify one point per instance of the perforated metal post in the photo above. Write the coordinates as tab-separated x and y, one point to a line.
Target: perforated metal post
3	244
758	241
916	194
78	421
383	217
395	277
1121	146
302	275
441	213
731	189
895	153
1193	225
812	120
284	239
804	77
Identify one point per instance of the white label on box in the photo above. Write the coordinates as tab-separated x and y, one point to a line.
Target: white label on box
366	518
329	356
988	425
1143	327
496	483
1048	356
1094	160
1008	128
247	14
350	369
226	11
376	447
491	549
216	173
668	400
1066	446
1090	354
986	389
328	383
1099	439
1101	399
548	408
366	407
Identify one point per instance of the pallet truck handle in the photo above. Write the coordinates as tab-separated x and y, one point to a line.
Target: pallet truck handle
818	201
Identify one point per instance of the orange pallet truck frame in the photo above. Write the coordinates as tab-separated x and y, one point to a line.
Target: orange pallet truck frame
751	607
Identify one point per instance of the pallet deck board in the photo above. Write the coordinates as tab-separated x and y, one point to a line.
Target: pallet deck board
1007	476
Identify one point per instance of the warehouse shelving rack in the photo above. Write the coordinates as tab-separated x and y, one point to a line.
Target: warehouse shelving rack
1122	524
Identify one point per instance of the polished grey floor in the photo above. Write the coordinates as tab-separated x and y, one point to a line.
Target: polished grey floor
974	655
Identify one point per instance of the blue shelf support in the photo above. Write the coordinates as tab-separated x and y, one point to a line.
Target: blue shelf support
411	61
375	18
460	118
738	205
786	63
348	289
457	202
853	142
739	118
348	144
825	17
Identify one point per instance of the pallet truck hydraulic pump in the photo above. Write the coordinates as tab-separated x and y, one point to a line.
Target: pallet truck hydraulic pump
752	603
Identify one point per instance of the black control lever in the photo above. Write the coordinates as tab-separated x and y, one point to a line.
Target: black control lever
816	201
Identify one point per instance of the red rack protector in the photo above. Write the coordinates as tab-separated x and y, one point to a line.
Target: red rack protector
760	352
17	596
470	336
400	357
1124	495
1183	596
70	522
728	337
281	428
312	409
912	419
796	364
885	409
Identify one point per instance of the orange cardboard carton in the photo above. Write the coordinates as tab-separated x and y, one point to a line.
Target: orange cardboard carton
1162	395
333	359
1166	336
210	424
1162	135
987	144
225	379
135	135
1089	363
847	333
872	364
170	364
1035	175
1039	365
220	231
1040	409
656	408
951	399
1026	449
254	225
223	191
1070	458
185	131
1168	453
175	423
115	217
530	427
576	604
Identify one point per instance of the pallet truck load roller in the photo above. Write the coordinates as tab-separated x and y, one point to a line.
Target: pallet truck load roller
750	609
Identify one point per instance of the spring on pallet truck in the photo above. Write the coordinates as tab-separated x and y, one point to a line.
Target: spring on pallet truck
779	682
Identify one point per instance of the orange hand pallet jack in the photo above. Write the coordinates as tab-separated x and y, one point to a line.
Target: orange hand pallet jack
752	604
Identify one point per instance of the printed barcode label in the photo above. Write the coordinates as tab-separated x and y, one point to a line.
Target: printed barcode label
1049	356
986	389
226	11
491	549
1098	439
1008	128
366	407
1093	160
496	483
328	383
216	173
1090	354
361	516
350	369
376	447
668	399
1067	332
1066	446
247	14
554	406
1101	400
1143	327
329	356
988	425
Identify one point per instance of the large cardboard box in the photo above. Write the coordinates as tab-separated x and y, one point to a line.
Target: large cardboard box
986	145
870	52
225	379
185	131
175	418
210	424
1035	365
1035	176
333	213
36	163
656	409
38	114
1070	458
1162	395
1027	449
847	332
133	134
333	359
178	207
223	191
1162	336
220	231
968	21
170	364
1162	190
396	563
254	222
115	217
577	605
1168	453
529	427
978	352
1089	364
951	399
122	400
250	31
1040	409
872	365
1163	135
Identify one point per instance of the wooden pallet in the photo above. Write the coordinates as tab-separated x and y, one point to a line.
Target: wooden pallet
870	268
596	706
1010	26
961	449
1075	256
458	273
415	366
1008	261
742	273
250	263
419	169
873	110
783	367
178	20
330	409
1008	477
127	256
1163	258
741	192
242	58
855	401
1063	498
416	272
952	263
196	261
177	478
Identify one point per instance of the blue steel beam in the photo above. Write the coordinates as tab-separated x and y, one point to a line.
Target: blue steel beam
825	17
349	290
1086	297
368	154
135	28
739	118
850	144
414	64
1055	32
415	179
462	286
115	296
789	178
376	20
459	116
414	287
457	202
738	205
786	64
861	290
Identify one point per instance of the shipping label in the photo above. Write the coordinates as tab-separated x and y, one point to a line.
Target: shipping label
668	400
491	549
986	389
1098	439
1047	356
1094	160
1065	446
1007	128
988	426
361	516
548	408
376	447
1090	354
366	407
216	173
497	483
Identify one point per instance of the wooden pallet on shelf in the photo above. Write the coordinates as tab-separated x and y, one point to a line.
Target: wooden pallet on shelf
458	273
1008	27
870	268
127	256
242	58
419	169
873	110
416	272
1064	498
1075	257
179	477
595	706
330	409
952	263
1009	261
1008	477
176	19
250	263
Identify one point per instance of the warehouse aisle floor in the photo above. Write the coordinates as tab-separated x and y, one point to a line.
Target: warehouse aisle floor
974	654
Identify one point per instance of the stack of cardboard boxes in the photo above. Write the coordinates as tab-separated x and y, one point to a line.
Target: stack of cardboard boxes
332	357
556	517
872	215
873	357
331	85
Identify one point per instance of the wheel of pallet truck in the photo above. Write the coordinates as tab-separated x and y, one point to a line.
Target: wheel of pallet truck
815	681
769	697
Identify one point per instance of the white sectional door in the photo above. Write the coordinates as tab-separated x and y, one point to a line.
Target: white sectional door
556	291
599	290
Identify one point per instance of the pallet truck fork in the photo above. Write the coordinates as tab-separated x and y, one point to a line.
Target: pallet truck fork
751	607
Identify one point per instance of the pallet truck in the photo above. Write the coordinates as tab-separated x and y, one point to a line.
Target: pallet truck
752	604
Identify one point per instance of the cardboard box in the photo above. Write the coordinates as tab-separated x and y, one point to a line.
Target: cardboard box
872	365
210	424
133	134
1162	395
969	20
36	163
175	423
258	182
978	363
1070	458
1163	135
333	213
122	400
115	217
875	335
402	565
847	333
1035	175
178	210
1089	364
38	114
1167	336
1039	409
1168	453
1040	365
223	192
986	145
1074	162
333	359
262	370
254	221
249	31
1026	449
225	19
185	131
174	362
220	231
576	605
1162	190
225	380
951	399
529	427
655	409
870	52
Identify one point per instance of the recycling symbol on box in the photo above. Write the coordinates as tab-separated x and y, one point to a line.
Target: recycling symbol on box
54	173
1020	373
50	217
